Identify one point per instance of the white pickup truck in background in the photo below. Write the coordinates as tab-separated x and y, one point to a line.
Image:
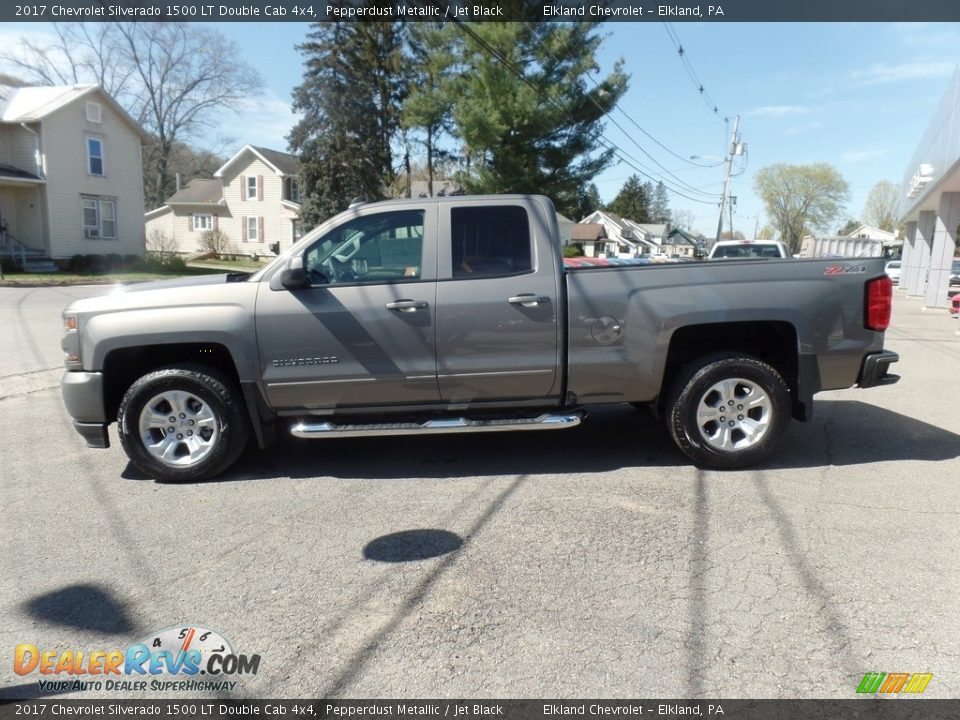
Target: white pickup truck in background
748	249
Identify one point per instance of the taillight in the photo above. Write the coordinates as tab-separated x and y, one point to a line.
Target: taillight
879	303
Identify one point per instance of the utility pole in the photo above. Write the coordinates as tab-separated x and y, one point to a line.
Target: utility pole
734	149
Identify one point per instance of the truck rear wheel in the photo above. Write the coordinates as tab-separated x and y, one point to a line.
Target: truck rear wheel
182	423
728	411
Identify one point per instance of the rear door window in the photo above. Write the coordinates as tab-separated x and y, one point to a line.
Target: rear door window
490	241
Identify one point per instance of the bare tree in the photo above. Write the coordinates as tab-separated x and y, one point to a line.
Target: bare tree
171	79
683	219
82	53
883	206
184	78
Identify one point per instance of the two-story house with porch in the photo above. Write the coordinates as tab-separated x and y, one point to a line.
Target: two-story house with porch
71	180
253	199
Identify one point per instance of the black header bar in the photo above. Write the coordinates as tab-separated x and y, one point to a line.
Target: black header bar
894	708
483	10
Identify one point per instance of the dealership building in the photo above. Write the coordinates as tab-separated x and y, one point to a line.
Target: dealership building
930	204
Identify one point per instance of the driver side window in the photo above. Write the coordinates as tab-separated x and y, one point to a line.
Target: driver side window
386	247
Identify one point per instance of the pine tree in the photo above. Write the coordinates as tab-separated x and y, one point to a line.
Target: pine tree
428	106
349	100
633	200
540	132
660	204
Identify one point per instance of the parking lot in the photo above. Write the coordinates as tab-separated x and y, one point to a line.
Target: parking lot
594	562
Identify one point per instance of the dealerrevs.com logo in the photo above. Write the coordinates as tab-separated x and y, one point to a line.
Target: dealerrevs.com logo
172	659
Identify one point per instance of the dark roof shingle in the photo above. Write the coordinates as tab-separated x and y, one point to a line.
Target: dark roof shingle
198	191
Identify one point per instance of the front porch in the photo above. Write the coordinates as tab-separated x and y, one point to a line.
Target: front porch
22	236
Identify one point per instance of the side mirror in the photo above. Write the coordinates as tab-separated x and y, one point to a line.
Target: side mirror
294	275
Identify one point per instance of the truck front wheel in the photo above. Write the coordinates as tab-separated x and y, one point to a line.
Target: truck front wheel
182	423
728	411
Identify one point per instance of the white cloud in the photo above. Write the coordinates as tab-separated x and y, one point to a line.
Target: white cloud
880	73
264	120
779	111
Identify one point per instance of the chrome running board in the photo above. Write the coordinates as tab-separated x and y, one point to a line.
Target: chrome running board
327	429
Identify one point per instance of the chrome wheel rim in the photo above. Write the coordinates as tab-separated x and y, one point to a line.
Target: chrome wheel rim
734	414
178	428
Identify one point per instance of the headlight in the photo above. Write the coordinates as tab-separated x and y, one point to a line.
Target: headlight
71	341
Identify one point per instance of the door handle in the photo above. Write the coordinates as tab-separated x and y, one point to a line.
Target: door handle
528	300
406	305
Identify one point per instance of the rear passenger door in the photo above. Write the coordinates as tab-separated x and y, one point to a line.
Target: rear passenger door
497	305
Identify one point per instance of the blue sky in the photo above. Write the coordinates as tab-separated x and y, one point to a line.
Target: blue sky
855	95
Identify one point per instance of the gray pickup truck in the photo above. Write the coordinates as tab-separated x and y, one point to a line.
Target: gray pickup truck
457	314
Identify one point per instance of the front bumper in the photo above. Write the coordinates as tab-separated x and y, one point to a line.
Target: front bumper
83	397
873	371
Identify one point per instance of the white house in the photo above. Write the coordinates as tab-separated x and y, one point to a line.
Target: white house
622	237
254	199
71	180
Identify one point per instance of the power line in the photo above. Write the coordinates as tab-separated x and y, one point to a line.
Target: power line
617	151
606	111
688	66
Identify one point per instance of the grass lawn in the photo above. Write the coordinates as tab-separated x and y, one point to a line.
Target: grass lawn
22	279
235	265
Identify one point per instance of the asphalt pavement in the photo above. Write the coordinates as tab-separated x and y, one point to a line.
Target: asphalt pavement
592	562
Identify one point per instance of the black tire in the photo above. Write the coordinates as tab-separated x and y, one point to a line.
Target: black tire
209	423
751	427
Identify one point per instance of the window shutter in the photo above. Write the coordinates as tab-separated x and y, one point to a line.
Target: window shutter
243	226
260	229
243	188
259	187
216	225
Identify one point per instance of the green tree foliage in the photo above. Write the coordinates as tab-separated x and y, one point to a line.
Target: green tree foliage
349	99
428	106
800	199
633	200
539	133
883	206
589	201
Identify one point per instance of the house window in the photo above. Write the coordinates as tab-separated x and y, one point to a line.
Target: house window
99	218
251	187
292	190
95	156
202	223
253	226
93	112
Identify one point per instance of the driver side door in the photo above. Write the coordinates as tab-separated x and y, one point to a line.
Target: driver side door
363	332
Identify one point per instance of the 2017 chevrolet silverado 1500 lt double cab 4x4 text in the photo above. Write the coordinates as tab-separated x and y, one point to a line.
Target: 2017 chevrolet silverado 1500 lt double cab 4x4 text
456	314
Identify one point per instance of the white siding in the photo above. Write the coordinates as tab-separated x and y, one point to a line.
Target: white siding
177	223
277	217
65	153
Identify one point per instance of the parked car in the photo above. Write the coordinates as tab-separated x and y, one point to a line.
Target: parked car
955	305
955	272
748	249
892	269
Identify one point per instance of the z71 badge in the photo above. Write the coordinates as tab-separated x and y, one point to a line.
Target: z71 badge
845	269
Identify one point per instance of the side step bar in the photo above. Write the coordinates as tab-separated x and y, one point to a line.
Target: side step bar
326	429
